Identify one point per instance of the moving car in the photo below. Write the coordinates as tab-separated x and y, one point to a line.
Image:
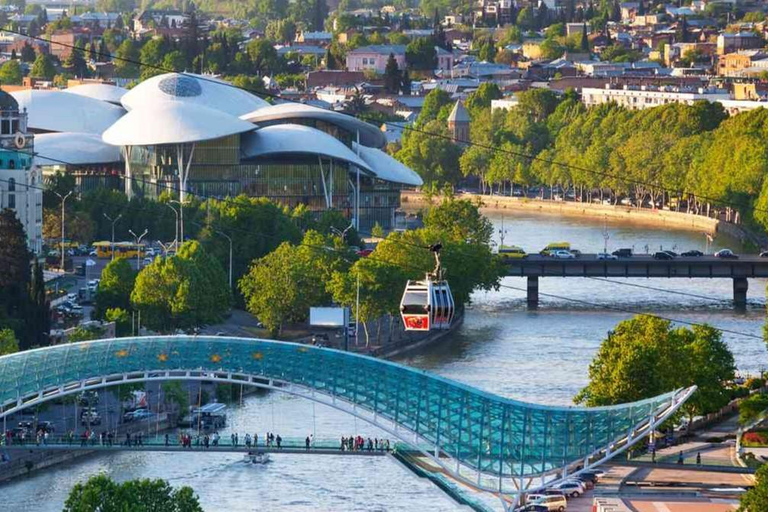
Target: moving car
511	252
606	256
692	254
764	254
555	246
726	254
663	255
563	255
623	253
571	488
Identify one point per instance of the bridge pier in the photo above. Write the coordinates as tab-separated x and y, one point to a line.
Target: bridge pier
740	287
533	292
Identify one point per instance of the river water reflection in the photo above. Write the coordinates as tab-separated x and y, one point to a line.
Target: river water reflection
540	356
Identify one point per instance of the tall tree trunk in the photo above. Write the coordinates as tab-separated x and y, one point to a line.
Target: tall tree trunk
367	338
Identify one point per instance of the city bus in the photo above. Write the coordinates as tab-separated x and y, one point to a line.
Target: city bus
122	249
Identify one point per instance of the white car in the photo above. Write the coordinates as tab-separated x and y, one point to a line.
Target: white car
563	255
606	256
571	488
147	261
553	502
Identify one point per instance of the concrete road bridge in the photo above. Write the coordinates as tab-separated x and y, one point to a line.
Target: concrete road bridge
486	441
535	266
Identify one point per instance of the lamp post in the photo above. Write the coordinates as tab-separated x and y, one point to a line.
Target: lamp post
63	201
230	253
181	220
138	241
176	228
113	221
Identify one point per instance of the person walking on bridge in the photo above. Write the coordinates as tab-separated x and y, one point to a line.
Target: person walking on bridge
306	443
279	442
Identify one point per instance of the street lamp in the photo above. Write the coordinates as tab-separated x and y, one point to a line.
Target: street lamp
176	227
113	221
138	241
230	253
63	201
181	219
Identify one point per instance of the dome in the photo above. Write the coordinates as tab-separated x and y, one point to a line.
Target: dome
370	135
73	148
387	168
56	111
172	123
103	92
295	139
193	89
8	102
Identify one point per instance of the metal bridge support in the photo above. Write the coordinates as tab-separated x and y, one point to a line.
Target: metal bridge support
533	292
740	287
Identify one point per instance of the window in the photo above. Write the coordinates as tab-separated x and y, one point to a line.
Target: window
11	185
12	201
11	164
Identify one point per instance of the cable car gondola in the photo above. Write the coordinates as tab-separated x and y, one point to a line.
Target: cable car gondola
428	305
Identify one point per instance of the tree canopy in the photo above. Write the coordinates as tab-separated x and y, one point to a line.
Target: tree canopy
102	494
117	282
756	499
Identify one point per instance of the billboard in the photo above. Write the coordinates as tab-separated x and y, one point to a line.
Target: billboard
328	317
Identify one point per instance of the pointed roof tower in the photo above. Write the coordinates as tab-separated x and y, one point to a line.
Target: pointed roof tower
459	113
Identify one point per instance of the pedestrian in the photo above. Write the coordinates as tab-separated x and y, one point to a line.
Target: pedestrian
166	440
127	439
232	438
343	443
387	444
255	439
306	443
279	442
698	458
205	441
680	459
653	455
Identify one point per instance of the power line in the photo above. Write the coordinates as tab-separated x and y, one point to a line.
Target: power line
259	93
635	312
663	290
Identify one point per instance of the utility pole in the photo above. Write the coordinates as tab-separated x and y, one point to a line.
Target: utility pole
181	220
230	253
176	229
138	252
113	221
63	201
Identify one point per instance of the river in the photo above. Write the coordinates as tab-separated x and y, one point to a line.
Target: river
540	356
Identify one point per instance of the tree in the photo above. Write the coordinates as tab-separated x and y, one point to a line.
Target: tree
460	219
185	291
487	51
151	57
39	317
482	97
15	277
8	342
117	281
392	75
281	31
42	68
101	494
75	63
27	53
756	499
752	407
584	39
320	14
431	153
644	357
122	321
81	333
10	73
405	84
263	57
79	225
420	54
433	102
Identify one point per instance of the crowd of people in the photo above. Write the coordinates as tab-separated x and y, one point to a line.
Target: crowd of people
359	443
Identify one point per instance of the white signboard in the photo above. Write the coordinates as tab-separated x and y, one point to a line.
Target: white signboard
328	317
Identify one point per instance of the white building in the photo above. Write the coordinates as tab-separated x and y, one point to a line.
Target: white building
640	97
20	182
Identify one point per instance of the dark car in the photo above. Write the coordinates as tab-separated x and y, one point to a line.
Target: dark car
46	426
672	253
663	255
623	253
726	254
692	254
764	254
532	508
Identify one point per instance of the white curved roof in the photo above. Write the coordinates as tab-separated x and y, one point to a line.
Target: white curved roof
73	148
370	135
103	92
172	123
387	168
297	139
194	89
56	111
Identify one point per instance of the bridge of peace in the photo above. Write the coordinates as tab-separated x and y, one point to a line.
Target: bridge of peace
643	266
480	440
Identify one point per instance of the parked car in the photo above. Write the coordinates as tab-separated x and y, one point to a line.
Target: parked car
563	255
623	253
135	415
146	261
726	254
663	255
88	398
141	414
571	488
692	254
90	418
532	507
553	502
46	426
764	254
606	256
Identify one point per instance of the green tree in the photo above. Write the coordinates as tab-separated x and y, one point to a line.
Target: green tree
263	57
756	499
122	321
752	407
151	57
117	281
487	51
81	333
8	342
391	75
176	394
10	73
460	219
435	100
15	277
39	316
127	59
420	54
431	153
42	68
644	357
75	63
188	290
482	97
101	494
27	53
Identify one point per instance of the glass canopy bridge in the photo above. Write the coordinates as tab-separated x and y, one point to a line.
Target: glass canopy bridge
482	440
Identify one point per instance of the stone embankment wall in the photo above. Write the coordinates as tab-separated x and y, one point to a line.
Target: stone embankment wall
660	218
